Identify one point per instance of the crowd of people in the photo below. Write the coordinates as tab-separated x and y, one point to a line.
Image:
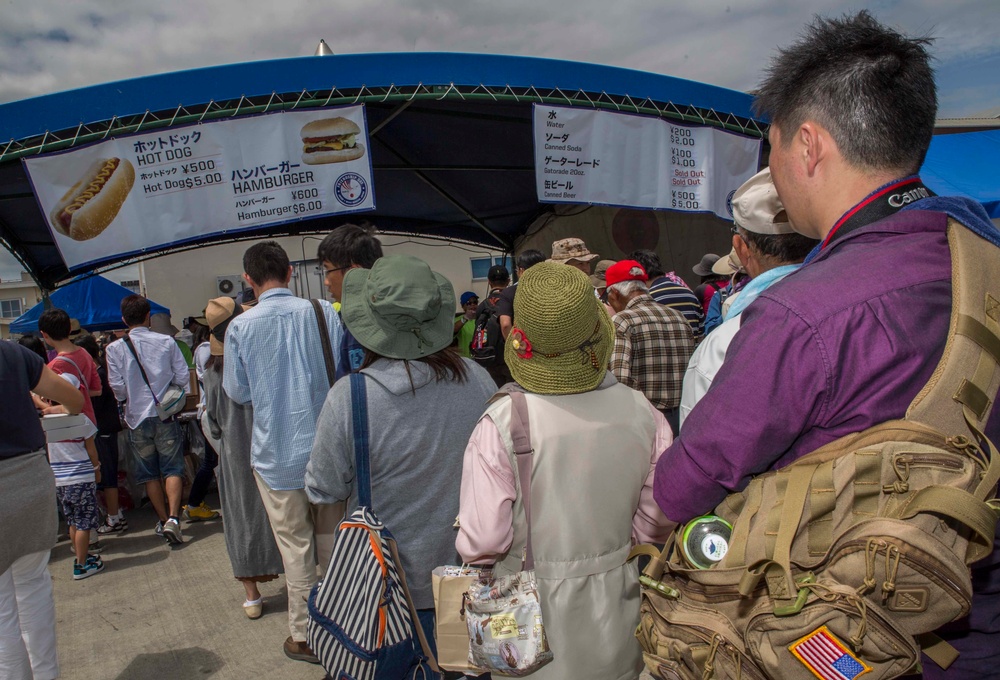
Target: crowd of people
649	400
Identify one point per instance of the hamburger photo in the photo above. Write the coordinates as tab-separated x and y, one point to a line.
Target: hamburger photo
331	140
93	202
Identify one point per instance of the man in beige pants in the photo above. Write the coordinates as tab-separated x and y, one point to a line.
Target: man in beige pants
274	360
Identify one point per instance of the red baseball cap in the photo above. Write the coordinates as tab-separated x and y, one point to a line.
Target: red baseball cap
625	270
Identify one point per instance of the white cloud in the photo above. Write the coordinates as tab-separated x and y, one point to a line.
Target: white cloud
53	45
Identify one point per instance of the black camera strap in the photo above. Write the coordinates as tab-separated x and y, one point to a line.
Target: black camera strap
882	203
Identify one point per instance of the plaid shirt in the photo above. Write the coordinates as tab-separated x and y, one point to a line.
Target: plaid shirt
653	344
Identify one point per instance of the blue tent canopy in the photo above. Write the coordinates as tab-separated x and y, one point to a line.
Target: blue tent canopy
93	301
450	135
966	163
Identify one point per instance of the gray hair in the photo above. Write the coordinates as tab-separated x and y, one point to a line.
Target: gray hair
626	288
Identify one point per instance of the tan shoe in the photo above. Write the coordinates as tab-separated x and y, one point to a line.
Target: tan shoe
299	651
253	610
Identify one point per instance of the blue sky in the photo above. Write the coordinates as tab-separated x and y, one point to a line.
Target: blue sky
51	45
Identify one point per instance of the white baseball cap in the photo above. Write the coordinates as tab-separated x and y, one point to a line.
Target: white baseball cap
757	208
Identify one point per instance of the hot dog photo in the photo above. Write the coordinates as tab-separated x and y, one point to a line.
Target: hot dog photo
93	202
331	140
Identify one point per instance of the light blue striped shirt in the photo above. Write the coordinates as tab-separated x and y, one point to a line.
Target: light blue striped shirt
274	360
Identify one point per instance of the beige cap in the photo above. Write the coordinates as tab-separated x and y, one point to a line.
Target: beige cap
728	265
757	208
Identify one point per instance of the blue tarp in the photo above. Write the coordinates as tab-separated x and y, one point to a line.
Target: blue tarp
966	163
93	301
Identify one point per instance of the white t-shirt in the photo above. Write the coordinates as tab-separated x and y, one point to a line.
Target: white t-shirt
705	363
201	354
69	459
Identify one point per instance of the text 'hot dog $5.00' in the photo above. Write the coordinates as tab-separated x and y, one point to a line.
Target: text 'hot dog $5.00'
93	202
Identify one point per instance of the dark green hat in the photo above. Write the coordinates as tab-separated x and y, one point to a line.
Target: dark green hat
399	308
562	336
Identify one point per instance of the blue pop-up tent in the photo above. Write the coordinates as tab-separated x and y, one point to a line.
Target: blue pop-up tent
966	163
94	301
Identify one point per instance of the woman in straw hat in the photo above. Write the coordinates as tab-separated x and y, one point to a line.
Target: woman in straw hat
595	445
423	401
252	551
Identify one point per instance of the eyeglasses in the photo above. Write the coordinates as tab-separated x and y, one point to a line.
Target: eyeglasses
736	232
327	272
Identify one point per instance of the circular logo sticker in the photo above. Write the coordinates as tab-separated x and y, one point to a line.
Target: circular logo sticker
351	189
714	547
729	202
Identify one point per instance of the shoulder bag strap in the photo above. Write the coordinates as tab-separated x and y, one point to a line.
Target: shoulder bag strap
128	341
362	466
362	460
520	434
79	373
324	338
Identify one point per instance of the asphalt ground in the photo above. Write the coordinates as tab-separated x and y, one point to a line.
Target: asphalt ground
161	612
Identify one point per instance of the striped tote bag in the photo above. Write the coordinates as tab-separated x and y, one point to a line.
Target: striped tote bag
362	623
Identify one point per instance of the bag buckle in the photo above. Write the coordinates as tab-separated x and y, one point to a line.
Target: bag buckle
660	587
800	599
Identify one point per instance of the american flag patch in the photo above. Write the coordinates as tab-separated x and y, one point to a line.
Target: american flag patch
827	657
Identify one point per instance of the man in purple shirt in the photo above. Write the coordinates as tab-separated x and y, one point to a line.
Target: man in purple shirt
839	345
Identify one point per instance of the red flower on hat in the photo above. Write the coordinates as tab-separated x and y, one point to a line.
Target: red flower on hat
519	341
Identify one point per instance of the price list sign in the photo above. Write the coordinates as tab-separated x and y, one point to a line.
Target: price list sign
128	195
608	158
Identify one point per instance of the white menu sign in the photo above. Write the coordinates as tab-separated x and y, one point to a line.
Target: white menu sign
609	158
133	194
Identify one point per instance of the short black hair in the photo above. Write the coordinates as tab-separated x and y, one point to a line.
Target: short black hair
135	309
34	344
55	322
498	274
89	343
649	260
349	245
785	248
529	258
871	87
266	261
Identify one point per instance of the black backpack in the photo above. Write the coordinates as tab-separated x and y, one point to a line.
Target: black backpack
487	341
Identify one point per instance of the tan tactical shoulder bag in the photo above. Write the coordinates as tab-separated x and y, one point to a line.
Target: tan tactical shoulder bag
845	560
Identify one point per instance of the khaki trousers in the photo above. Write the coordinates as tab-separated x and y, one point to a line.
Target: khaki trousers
303	532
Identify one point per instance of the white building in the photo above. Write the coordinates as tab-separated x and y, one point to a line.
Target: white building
16	297
184	282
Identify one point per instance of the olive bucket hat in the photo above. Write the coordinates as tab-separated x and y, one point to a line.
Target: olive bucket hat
399	308
562	338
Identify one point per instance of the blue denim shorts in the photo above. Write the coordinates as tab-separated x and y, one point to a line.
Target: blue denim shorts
158	450
79	505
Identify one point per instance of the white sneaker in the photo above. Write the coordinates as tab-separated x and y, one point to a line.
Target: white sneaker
172	532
